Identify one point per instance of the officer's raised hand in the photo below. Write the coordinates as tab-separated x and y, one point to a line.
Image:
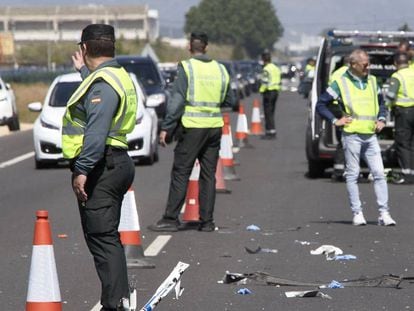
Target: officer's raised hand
77	59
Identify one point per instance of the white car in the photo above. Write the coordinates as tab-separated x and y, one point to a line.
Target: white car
142	141
8	108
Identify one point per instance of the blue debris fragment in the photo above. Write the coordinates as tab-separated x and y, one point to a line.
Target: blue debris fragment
253	228
335	284
344	257
244	291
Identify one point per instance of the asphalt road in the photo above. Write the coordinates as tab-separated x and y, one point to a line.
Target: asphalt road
273	194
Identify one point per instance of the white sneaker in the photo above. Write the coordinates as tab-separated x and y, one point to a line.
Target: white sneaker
359	219
385	219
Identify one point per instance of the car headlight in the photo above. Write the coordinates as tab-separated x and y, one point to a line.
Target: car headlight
155	100
48	125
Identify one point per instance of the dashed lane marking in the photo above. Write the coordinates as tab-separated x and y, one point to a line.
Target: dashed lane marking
17	159
157	245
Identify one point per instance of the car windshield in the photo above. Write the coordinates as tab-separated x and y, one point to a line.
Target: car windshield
146	73
62	92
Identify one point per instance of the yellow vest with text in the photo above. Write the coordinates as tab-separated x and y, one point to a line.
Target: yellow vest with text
271	81
74	122
361	105
207	88
405	95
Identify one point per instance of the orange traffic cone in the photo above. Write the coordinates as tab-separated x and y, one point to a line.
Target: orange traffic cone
130	233
192	205
242	129
256	125
220	182
43	293
226	155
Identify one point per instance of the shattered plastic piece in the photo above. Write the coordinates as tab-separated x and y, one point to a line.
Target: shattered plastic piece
62	236
253	228
384	281
330	251
260	250
305	242
171	282
344	257
306	294
244	291
335	284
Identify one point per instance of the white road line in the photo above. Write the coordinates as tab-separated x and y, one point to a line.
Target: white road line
152	250
157	245
17	159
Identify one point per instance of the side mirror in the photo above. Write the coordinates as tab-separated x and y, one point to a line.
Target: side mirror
8	86
35	106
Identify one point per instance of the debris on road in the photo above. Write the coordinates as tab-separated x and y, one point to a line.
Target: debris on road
384	281
306	294
173	281
329	251
305	242
253	228
335	284
260	250
343	257
244	291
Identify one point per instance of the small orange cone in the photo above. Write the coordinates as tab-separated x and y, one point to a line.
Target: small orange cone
220	182
256	125
192	205
242	129
226	155
43	293
130	233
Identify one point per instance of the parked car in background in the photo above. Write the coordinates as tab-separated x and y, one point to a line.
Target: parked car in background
381	47
235	84
142	141
8	108
151	79
169	72
250	72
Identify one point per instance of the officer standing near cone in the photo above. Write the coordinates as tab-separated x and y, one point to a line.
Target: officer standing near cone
269	88
98	116
201	88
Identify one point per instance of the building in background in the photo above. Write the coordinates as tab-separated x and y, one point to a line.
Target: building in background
64	23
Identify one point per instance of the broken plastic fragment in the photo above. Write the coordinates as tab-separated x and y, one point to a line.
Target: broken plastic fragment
335	284
260	250
244	291
253	228
330	251
344	257
306	294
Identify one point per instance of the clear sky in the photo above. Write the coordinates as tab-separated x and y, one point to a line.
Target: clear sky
308	16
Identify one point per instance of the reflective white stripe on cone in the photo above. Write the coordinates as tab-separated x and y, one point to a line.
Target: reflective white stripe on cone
242	129
226	154
129	231
43	293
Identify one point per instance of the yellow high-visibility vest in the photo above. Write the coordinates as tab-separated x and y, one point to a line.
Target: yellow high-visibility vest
123	122
361	105
207	88
271	78
405	95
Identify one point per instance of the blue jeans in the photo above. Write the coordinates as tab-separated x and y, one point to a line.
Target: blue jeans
365	146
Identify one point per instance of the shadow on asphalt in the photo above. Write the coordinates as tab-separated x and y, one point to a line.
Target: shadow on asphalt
341	222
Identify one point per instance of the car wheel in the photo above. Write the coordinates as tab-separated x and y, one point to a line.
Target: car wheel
14	124
316	169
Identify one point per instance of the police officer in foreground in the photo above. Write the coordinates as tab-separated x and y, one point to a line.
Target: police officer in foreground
365	115
98	116
401	96
201	88
269	88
